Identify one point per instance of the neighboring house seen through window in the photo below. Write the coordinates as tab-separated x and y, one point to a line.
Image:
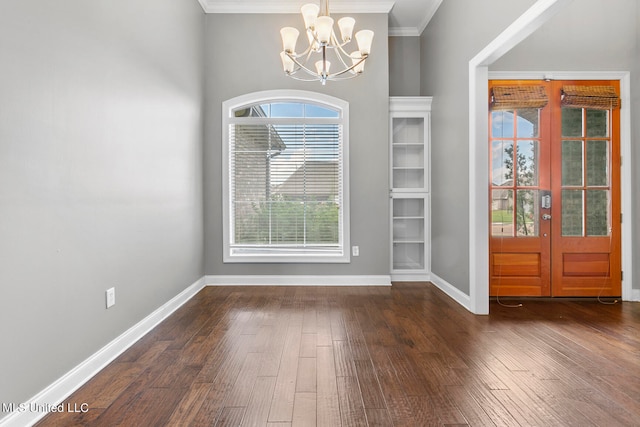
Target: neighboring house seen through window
285	178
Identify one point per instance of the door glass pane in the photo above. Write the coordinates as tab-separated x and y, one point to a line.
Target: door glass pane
527	163
572	163
597	212
527	217
502	124
502	163
572	213
597	123
502	213
597	163
572	122
528	122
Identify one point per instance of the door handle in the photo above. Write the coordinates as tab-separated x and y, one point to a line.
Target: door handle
546	217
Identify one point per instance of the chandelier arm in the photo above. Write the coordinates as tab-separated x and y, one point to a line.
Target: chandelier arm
315	39
302	66
340	56
310	52
307	52
340	76
339	46
303	79
332	76
315	74
344	63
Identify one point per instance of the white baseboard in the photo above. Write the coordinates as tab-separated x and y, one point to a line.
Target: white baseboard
453	292
465	300
410	277
56	392
297	280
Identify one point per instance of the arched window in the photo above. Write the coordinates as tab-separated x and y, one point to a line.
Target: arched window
285	158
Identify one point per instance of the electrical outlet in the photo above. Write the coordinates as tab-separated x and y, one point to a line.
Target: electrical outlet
111	297
355	250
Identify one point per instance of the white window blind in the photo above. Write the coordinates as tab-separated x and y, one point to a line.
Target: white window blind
286	182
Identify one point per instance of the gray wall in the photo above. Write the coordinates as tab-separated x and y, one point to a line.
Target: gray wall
100	175
243	56
581	37
578	39
404	66
457	32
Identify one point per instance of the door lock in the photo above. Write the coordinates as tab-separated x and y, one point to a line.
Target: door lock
546	200
546	217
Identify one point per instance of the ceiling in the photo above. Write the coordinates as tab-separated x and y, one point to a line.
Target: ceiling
406	17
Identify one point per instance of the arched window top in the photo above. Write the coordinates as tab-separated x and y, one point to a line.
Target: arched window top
286	104
286	109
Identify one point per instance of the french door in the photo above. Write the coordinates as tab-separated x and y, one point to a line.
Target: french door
554	188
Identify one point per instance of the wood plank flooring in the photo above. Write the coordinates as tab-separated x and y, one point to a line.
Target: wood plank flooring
371	356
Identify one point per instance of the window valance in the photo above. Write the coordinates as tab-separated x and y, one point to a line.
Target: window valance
593	97
513	97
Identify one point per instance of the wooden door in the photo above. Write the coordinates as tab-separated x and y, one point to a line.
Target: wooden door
554	196
520	239
586	222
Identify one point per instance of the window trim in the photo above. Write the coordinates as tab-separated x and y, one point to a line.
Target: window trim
340	256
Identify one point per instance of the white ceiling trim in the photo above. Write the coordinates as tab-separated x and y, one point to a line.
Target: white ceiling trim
404	32
434	7
256	6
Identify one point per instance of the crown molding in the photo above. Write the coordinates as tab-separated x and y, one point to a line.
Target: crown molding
279	6
404	32
434	7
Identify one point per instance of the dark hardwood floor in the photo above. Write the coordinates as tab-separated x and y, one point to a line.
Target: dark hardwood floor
400	356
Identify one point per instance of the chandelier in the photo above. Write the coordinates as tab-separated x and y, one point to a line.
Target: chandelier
324	47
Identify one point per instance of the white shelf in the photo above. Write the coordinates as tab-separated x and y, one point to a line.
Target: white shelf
409	173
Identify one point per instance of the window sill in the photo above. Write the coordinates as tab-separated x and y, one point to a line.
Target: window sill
287	258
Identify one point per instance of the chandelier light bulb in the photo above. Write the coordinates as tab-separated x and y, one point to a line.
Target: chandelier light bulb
310	14
324	28
356	57
364	39
287	63
322	67
346	25
289	38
